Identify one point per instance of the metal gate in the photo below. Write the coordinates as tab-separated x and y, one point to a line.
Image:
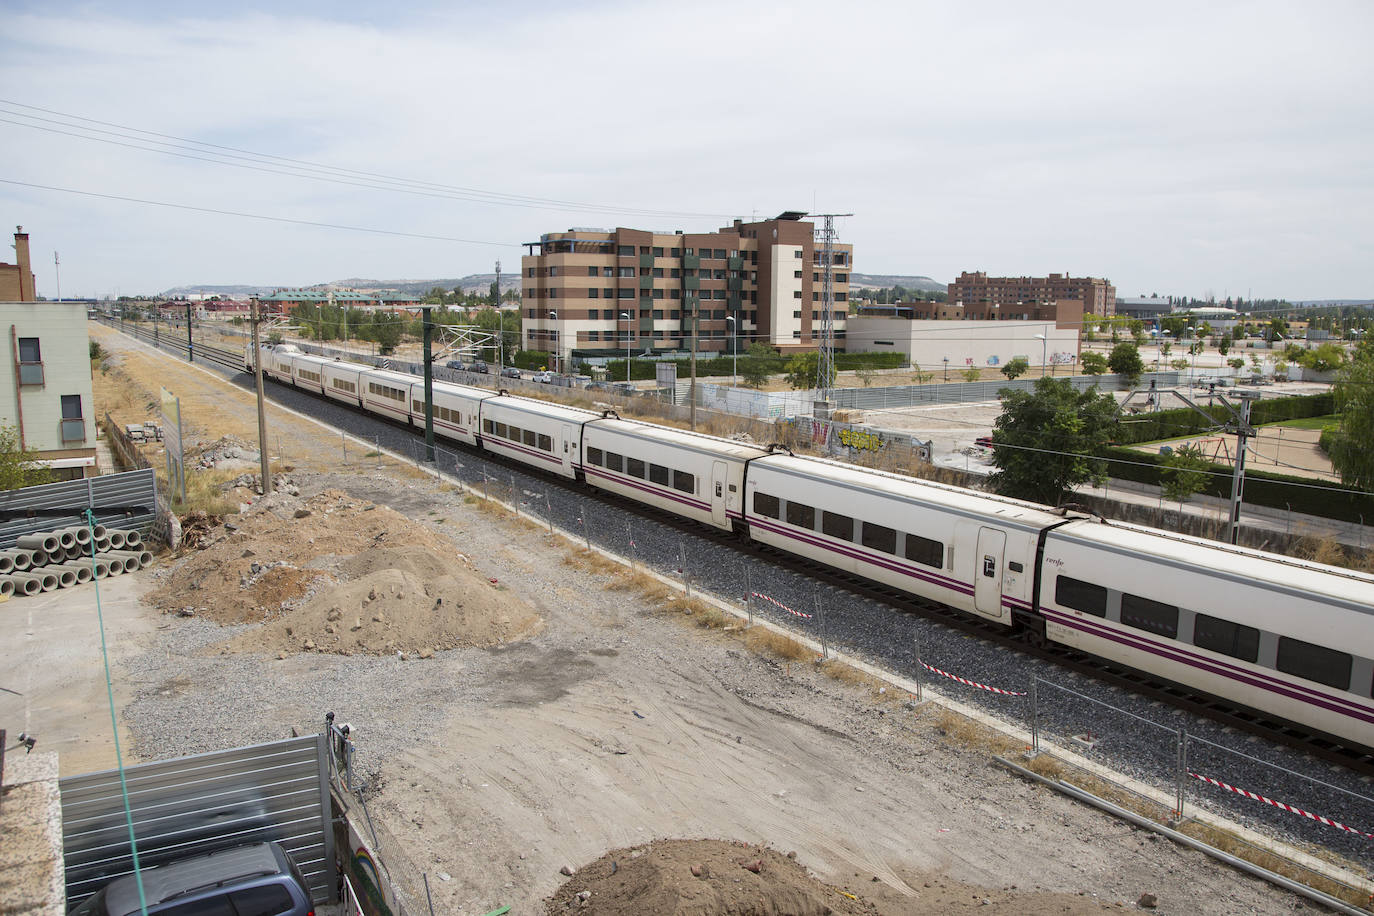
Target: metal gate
275	791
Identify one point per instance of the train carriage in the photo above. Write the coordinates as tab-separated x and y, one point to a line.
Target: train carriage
537	433
1284	637
388	393
691	475
307	372
342	382
970	552
457	410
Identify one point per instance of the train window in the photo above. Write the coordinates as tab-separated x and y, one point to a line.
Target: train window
1233	639
418	406
545	443
1150	616
658	474
513	434
879	538
486	427
801	515
501	430
531	437
766	505
634	467
594	456
615	462
685	482
1015	566
1315	663
925	551
1081	596
837	526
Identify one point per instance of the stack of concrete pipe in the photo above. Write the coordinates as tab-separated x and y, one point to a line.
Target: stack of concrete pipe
49	560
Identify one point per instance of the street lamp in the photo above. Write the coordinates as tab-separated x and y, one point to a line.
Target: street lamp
1044	348
626	316
734	348
553	316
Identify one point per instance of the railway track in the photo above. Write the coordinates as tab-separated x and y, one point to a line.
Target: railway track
1357	761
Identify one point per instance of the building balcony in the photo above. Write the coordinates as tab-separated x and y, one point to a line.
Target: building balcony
73	430
31	374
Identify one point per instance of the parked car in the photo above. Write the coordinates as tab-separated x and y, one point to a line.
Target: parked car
983	442
511	372
479	367
546	377
456	364
259	878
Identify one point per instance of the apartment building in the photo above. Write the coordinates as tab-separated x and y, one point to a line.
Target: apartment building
595	292
45	391
16	280
1006	298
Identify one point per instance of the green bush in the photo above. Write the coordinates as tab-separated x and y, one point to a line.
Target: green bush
1171	424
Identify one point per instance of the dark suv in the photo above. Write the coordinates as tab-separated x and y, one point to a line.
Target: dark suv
256	880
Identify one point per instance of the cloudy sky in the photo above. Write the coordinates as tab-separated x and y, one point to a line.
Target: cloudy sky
1218	148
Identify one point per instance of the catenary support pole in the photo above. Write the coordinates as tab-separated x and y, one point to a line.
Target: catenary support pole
425	316
266	461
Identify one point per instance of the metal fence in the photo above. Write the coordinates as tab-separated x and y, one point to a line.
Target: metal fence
133	492
275	791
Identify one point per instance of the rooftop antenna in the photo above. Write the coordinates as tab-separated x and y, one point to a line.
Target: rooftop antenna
57	269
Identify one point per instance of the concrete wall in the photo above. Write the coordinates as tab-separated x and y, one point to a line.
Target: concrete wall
928	343
60	328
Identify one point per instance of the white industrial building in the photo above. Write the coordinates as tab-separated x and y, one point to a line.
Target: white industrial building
45	390
958	345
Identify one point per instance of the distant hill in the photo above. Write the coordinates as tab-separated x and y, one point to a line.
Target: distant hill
887	281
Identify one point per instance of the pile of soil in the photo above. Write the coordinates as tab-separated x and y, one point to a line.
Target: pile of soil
701	878
335	574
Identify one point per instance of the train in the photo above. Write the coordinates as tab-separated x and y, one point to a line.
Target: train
1282	637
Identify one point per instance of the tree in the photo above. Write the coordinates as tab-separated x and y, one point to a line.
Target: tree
386	330
1015	366
919	376
1184	473
756	363
1326	358
1137	328
1349	448
804	369
1125	361
1093	363
972	374
1180	364
19	467
1236	363
865	375
1224	344
1045	439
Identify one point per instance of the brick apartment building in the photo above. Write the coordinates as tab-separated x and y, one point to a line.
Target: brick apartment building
593	292
16	280
1031	298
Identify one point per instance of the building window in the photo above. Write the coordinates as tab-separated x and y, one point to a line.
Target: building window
591	271
608	271
73	426
626	251
797	274
658	253
593	294
30	361
796	294
797	253
625	294
608	293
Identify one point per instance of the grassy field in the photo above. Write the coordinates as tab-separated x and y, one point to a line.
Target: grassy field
1309	422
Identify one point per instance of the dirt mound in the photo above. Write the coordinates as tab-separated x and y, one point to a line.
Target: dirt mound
701	878
397	610
323	575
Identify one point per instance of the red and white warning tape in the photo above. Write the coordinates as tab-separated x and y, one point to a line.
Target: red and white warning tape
955	677
776	603
1278	804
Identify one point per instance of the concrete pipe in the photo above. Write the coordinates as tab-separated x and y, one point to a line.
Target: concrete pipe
65	537
24	586
6	564
141	557
22	559
6	586
81	533
39	557
44	542
115	563
116	538
98	533
102	543
132	539
66	578
47	581
82	571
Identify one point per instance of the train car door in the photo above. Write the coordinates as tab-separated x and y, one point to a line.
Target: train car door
718	484
987	573
567	448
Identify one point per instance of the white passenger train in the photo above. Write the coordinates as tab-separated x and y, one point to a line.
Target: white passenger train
1284	637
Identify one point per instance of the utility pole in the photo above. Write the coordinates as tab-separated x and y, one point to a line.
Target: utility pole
57	269
429	383
497	297
255	320
1243	431
190	344
825	368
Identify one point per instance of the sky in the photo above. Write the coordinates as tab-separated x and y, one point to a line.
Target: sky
1198	149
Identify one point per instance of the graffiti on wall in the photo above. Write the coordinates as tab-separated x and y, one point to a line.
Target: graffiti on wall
860	439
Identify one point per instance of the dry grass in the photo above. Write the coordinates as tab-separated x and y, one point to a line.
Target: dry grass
779	645
973	735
